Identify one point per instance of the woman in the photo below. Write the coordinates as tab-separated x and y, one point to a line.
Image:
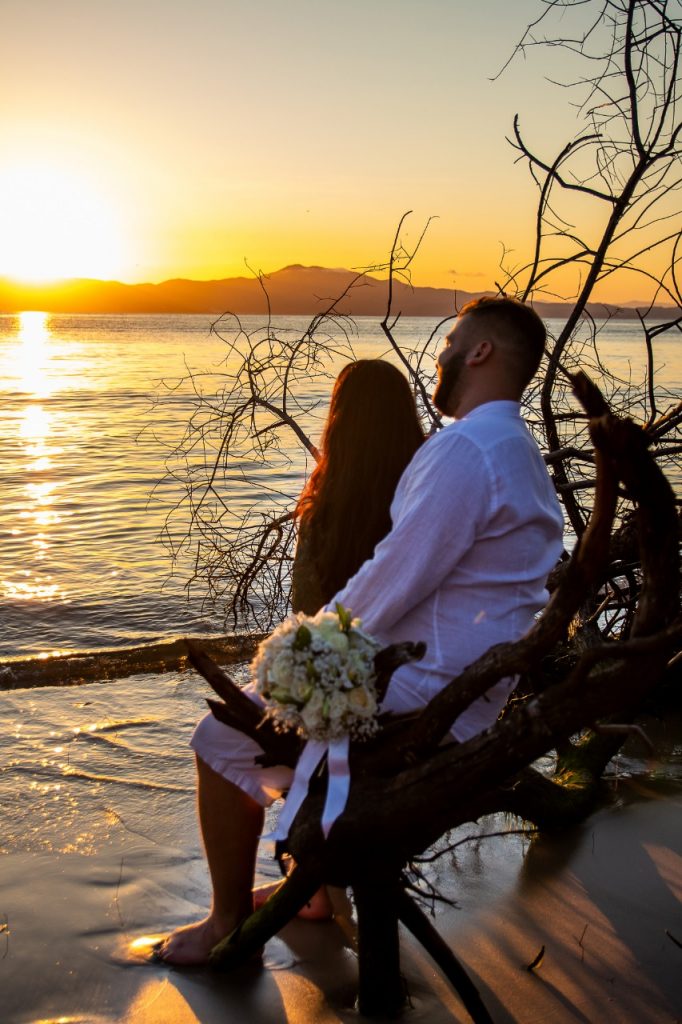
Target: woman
371	433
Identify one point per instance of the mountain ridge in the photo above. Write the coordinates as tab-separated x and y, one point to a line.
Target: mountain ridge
293	290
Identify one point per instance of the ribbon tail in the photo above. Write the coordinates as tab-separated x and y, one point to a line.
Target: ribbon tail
338	784
312	754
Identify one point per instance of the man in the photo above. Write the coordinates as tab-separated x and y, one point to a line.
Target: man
476	524
476	528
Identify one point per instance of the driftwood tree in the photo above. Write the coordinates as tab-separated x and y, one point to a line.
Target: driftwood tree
607	643
401	798
254	422
257	413
608	204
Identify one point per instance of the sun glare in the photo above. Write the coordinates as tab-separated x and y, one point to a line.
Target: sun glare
54	225
31	356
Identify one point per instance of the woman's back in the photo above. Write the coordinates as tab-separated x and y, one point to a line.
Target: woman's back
372	432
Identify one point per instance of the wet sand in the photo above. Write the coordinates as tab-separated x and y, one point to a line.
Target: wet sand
99	850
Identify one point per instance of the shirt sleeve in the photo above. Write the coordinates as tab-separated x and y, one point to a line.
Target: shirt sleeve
444	499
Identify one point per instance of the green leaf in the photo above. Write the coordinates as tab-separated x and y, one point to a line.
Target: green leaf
283	696
302	638
345	617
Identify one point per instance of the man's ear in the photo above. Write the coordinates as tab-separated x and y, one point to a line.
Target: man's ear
479	352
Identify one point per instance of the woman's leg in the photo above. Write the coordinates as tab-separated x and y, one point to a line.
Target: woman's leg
319	908
231	823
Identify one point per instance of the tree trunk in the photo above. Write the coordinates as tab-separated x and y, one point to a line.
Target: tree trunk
381	990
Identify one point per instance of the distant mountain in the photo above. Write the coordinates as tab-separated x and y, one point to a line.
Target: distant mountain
292	290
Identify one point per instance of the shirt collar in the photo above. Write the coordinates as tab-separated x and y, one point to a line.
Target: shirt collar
503	407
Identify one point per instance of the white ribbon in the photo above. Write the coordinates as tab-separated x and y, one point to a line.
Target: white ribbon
338	785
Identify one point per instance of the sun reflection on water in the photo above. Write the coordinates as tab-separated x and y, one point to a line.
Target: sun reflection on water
30	364
33	355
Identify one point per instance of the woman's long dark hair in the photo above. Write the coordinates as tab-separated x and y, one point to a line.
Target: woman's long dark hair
372	432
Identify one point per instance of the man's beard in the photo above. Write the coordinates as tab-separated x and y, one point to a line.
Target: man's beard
446	396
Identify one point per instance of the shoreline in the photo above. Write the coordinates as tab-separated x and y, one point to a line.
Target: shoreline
600	901
100	849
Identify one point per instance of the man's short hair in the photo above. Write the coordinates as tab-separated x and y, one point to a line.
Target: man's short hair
516	326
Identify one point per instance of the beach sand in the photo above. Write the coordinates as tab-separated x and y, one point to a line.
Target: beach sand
99	851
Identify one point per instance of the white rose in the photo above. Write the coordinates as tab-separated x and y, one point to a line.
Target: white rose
327	624
301	688
312	712
362	702
338	705
325	616
281	669
338	642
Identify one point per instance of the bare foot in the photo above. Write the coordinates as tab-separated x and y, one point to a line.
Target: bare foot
318	909
262	893
190	946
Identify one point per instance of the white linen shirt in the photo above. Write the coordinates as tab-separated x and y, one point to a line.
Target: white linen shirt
476	529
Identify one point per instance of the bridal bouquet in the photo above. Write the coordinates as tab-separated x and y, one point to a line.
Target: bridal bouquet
316	675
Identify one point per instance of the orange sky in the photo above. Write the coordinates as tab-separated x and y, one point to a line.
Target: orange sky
169	138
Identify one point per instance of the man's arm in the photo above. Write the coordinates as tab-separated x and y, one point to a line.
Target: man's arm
445	500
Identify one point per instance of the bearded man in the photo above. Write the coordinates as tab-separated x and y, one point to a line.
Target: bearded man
476	524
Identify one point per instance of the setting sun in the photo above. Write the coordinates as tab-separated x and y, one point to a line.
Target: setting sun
54	224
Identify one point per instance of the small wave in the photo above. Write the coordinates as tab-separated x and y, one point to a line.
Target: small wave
166	787
116	726
100	666
47	772
74	1020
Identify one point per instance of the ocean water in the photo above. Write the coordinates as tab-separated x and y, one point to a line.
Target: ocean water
92	409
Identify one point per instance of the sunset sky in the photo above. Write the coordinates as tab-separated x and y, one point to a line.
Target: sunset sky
151	139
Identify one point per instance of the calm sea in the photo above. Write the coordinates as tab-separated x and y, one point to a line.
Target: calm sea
86	426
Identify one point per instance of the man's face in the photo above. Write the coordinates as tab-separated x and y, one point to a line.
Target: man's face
451	365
